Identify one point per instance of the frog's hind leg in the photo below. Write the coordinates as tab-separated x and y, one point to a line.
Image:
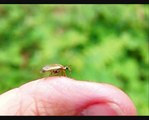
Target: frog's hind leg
63	73
51	73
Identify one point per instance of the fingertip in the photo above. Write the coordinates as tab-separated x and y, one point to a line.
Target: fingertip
82	97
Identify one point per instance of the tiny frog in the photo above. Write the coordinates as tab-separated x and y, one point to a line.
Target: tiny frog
55	69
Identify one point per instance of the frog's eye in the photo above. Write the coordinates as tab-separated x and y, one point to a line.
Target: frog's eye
68	68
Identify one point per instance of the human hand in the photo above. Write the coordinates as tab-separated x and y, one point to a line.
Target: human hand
62	96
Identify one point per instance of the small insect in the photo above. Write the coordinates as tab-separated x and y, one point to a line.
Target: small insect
55	69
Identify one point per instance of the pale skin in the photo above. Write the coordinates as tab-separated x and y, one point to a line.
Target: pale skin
61	96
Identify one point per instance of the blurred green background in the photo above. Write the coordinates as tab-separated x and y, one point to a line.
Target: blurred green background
102	43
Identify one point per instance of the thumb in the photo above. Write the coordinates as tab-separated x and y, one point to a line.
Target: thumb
64	96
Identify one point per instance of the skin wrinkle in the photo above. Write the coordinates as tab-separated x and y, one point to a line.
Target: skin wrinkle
33	112
30	107
36	111
87	97
27	107
61	89
115	99
118	102
98	103
47	106
42	100
53	96
59	106
34	94
59	95
111	98
60	92
23	105
42	105
91	102
18	95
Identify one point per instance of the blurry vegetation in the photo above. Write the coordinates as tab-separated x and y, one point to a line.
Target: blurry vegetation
102	43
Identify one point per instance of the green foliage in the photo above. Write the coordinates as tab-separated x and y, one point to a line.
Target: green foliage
102	43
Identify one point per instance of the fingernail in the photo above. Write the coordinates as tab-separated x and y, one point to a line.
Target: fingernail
103	109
